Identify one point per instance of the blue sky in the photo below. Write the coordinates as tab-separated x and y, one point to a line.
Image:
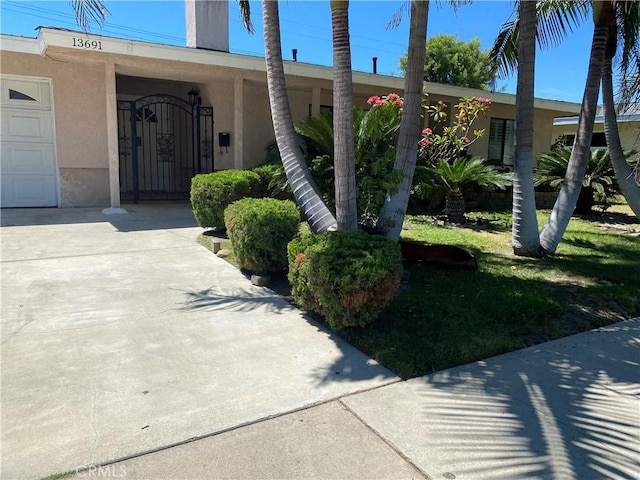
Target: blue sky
306	26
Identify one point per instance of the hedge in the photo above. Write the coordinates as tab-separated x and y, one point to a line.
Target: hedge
211	193
259	230
348	277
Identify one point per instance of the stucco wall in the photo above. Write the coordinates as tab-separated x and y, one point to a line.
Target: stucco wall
79	111
79	94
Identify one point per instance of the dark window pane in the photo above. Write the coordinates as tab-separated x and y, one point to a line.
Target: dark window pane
16	95
598	140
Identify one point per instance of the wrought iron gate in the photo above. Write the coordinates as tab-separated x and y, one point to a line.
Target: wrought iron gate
163	141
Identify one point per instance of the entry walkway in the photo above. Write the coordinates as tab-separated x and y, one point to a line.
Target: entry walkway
123	339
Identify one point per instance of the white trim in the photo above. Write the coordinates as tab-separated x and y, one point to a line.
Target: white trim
599	119
11	43
59	38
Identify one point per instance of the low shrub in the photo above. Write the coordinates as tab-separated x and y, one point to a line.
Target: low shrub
273	182
348	277
211	193
260	229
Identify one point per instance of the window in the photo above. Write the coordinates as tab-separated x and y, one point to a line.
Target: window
502	141
598	140
16	95
324	109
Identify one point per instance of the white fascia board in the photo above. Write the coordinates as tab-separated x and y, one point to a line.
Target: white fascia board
598	119
65	39
12	43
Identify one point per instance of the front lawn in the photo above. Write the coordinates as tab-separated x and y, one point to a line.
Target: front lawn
443	318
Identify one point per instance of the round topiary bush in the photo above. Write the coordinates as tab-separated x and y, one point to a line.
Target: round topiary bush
259	230
348	277
211	193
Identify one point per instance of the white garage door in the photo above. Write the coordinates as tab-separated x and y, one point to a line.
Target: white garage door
27	149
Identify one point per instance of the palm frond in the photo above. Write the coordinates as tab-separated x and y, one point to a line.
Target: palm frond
628	58
245	15
88	11
396	19
556	19
319	130
503	56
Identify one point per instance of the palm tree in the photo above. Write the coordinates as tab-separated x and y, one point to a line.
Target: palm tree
393	213
559	16
629	14
548	22
304	189
344	157
524	237
553	230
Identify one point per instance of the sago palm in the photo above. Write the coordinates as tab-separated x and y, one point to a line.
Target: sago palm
599	177
464	172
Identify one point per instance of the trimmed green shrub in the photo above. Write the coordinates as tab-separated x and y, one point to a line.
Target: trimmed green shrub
259	230
211	193
348	277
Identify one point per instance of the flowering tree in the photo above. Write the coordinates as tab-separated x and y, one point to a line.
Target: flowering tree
455	139
443	162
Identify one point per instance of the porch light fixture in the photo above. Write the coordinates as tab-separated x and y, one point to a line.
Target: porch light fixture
193	97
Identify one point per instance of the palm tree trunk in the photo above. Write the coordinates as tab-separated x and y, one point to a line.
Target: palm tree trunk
344	156
525	240
626	179
555	227
304	189
394	210
455	208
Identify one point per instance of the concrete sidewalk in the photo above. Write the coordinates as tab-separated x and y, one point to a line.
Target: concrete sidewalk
565	410
266	393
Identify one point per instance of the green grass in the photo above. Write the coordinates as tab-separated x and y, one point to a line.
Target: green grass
446	318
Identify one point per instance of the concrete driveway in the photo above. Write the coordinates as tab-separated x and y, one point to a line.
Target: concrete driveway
121	335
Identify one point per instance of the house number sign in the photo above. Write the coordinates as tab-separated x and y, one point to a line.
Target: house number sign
87	44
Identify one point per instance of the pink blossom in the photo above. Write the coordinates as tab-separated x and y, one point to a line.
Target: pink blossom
440	102
466	139
374	100
483	100
427	131
425	142
393	97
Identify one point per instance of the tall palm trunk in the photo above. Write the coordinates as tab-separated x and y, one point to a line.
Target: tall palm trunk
525	240
625	176
344	156
568	196
304	189
395	208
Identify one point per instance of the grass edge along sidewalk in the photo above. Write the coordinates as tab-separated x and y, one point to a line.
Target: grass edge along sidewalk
446	318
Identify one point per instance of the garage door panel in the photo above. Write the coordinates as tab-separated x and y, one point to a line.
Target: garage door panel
26	93
28	191
25	158
29	174
26	126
